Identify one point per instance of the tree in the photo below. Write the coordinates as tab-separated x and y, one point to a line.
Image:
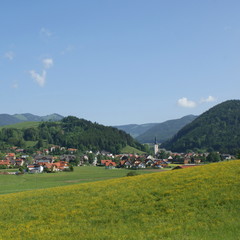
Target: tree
213	157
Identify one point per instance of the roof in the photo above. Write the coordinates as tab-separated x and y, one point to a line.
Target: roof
110	164
105	161
5	162
11	154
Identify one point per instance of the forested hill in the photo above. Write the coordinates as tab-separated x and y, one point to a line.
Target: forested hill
70	132
217	129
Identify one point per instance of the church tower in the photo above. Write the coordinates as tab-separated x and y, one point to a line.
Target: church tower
155	147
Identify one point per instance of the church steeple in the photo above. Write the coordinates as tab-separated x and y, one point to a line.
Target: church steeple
155	146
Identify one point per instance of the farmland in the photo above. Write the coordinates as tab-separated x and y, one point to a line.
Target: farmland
194	203
19	183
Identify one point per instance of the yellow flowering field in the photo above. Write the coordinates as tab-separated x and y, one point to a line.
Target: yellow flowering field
195	203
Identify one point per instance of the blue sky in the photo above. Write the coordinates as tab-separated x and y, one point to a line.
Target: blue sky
118	62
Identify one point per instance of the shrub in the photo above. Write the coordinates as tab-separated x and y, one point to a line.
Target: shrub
130	174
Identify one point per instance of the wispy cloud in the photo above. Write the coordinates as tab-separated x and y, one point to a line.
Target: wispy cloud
47	62
184	102
208	99
9	55
40	79
45	32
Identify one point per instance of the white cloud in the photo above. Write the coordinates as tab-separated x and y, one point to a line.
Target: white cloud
39	78
48	62
208	99
45	32
9	55
184	102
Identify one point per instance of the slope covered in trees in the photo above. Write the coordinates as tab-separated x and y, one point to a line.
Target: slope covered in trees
217	129
71	132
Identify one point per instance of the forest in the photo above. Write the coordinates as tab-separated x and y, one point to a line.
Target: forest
218	129
70	132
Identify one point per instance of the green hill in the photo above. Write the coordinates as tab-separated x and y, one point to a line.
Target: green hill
164	131
217	129
195	203
71	132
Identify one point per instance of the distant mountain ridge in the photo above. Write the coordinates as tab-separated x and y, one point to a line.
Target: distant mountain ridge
136	129
7	119
166	130
146	133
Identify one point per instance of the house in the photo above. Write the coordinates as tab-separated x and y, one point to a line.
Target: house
103	162
68	158
122	163
72	150
44	159
128	164
35	168
149	162
141	165
61	165
50	167
110	165
11	157
19	162
5	163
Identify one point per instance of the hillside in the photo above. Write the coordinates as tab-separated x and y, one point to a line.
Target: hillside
7	119
217	129
164	131
192	204
70	132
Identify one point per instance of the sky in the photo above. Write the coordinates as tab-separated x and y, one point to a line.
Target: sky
118	62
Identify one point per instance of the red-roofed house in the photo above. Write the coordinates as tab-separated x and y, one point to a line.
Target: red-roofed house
5	163
110	165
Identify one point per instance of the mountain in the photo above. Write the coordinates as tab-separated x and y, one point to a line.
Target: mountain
136	129
146	133
7	119
218	129
164	131
70	132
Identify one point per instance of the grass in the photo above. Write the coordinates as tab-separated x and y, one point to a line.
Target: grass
19	183
22	125
189	204
132	150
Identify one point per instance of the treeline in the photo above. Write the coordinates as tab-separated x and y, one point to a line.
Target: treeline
71	132
218	129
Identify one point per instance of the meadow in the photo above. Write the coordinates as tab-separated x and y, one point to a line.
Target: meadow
26	182
189	204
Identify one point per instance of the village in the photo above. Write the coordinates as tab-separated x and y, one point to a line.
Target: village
56	159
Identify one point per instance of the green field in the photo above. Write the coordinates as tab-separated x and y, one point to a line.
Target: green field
132	150
19	183
200	203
